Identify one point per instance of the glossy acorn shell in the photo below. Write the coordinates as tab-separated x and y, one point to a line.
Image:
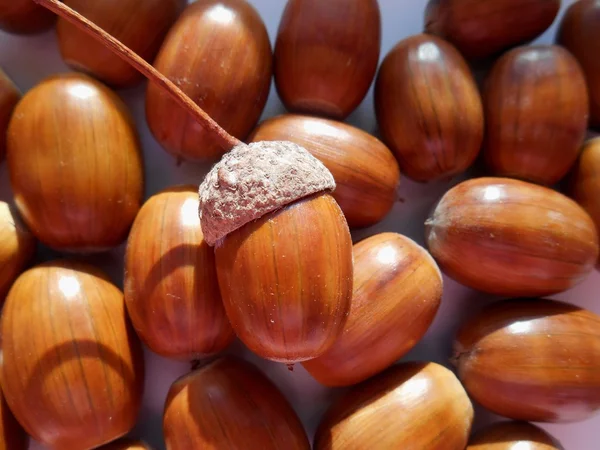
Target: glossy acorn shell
512	436
72	368
536	109
231	86
139	24
481	29
24	17
9	97
511	238
397	293
365	171
12	435
229	403
579	32
75	164
532	359
286	279
17	246
429	108
409	406
585	180
126	444
171	288
326	55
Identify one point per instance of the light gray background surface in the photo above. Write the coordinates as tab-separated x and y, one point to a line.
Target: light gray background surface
28	60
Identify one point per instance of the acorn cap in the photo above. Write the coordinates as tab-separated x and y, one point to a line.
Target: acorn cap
256	179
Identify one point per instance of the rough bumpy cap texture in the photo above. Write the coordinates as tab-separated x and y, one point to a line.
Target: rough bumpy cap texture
255	179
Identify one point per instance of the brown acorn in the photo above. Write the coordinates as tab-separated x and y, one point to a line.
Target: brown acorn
512	436
585	181
17	246
126	444
428	108
409	406
140	24
75	164
267	209
72	368
229	403
12	436
579	32
171	288
365	171
24	17
397	292
536	110
232	86
532	359
326	55
9	97
485	28
512	238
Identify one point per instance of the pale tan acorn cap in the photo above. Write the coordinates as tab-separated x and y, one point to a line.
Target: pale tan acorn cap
256	179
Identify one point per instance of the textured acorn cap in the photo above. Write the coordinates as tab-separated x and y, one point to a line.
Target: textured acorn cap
256	179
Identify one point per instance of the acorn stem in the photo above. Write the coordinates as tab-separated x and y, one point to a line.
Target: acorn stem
227	141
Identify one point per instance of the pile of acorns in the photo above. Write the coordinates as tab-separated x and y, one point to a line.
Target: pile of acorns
263	251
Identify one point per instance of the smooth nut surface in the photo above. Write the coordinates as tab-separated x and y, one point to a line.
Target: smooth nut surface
536	111
326	55
512	436
483	28
429	108
24	17
511	238
231	86
397	293
532	359
75	164
411	405
365	171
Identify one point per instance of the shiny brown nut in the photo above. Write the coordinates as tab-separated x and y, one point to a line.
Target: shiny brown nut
513	436
24	17
536	111
532	359
397	293
411	405
484	28
326	55
511	238
365	171
429	108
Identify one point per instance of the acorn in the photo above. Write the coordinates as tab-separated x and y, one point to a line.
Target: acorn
365	171
513	436
326	55
511	238
232	86
17	246
585	180
429	108
412	405
24	17
397	293
140	24
229	403
579	32
480	29
126	444
171	288
532	359
75	164
536	109
9	97
12	436
72	368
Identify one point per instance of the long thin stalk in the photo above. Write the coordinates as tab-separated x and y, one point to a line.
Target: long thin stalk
226	140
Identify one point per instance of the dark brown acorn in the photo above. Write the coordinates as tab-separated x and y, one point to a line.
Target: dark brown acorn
24	17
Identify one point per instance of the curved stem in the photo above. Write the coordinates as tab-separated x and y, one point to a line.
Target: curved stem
226	140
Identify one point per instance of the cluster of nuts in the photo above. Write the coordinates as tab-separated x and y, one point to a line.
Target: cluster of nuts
263	251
